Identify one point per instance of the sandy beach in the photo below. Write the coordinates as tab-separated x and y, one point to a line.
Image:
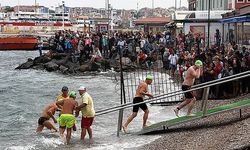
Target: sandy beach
225	131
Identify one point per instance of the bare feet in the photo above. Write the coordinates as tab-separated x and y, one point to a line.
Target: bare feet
145	126
91	141
124	129
176	111
62	138
190	115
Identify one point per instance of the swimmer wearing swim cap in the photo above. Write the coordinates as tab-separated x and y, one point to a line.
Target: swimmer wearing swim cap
67	118
193	73
141	92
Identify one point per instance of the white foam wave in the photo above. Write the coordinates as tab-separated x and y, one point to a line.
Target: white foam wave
51	142
28	147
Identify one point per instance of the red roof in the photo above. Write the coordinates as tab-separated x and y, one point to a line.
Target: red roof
153	20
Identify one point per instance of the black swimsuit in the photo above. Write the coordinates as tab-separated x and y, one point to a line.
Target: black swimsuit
41	120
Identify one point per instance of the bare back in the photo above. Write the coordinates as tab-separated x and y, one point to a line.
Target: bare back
50	108
68	106
192	74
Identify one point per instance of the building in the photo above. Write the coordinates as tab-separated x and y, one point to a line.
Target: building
192	5
236	26
197	23
219	4
237	4
214	5
32	8
152	24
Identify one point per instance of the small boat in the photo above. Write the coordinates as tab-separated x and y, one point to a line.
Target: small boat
18	43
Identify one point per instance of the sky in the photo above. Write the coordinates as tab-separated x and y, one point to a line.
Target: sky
117	4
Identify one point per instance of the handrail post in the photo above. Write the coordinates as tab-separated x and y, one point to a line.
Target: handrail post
120	118
205	100
123	99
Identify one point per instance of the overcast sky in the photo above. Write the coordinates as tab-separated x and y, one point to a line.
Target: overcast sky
118	4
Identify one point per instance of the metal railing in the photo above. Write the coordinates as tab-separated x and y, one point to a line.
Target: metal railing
205	85
195	87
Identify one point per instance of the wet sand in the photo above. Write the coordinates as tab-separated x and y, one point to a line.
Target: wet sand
225	131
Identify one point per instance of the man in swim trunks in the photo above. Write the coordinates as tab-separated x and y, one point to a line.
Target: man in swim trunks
44	121
141	92
67	119
193	73
64	95
88	113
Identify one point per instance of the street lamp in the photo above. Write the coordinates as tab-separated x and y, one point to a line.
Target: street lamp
63	13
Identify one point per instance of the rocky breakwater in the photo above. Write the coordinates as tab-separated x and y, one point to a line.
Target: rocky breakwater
67	64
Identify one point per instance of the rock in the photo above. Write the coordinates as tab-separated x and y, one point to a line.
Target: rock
51	66
105	64
26	65
63	69
59	56
38	67
95	66
59	61
41	60
84	68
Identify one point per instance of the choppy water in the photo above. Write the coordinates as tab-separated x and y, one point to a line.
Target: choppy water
25	93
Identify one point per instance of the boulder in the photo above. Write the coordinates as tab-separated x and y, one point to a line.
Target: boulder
26	65
95	66
59	61
63	69
51	66
84	68
41	60
38	67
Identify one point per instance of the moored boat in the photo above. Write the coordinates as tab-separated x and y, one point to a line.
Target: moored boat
18	43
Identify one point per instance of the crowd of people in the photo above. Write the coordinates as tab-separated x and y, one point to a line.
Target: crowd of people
175	53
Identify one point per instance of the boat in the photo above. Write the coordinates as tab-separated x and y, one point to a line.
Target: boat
18	43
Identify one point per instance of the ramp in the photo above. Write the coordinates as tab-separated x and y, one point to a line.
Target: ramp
216	110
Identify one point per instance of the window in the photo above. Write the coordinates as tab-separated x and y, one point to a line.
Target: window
240	1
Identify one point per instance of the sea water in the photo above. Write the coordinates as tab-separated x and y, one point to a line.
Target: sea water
25	93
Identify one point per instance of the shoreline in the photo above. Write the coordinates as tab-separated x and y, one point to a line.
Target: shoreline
221	131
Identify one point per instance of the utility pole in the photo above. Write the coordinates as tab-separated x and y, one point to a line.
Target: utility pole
208	24
35	6
63	13
137	12
18	9
152	7
175	5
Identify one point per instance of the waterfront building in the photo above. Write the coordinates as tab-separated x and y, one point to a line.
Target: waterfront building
236	26
214	5
152	24
218	4
197	23
237	4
